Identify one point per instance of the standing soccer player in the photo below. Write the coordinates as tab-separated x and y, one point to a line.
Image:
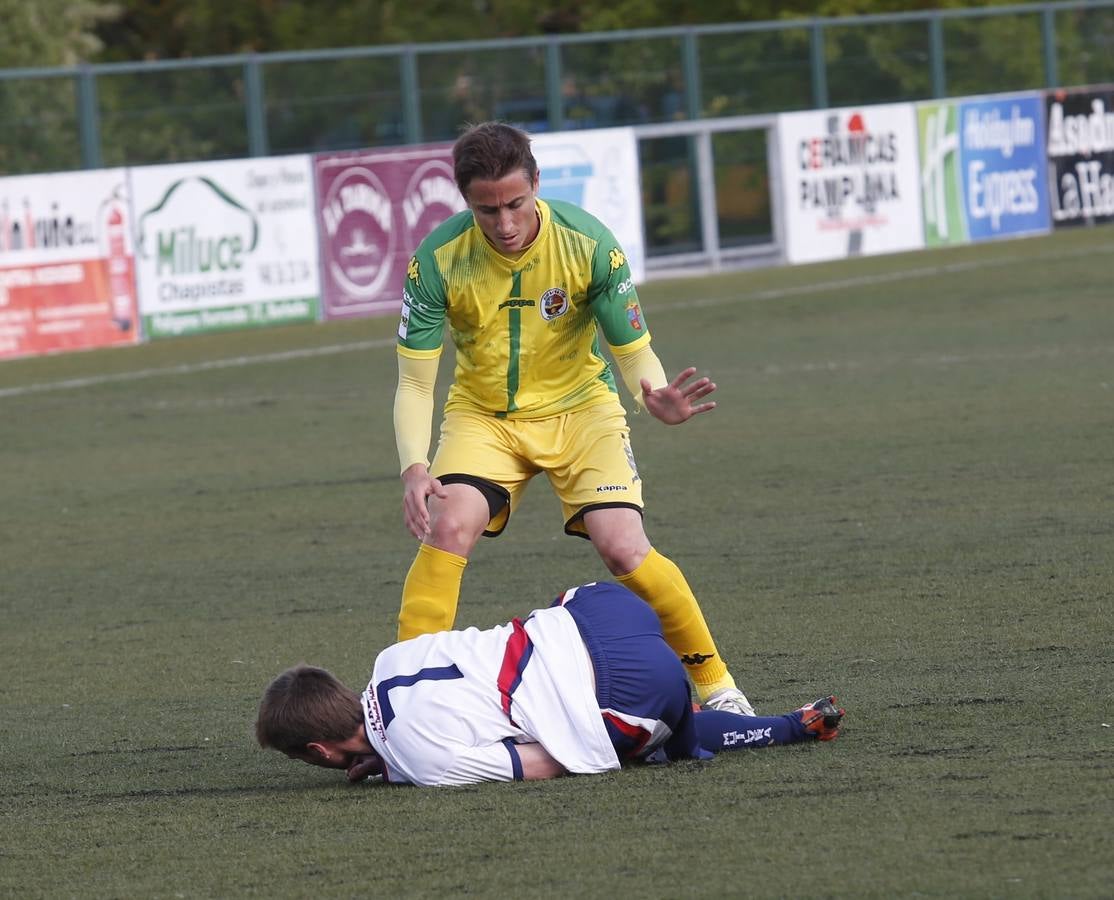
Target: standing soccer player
528	287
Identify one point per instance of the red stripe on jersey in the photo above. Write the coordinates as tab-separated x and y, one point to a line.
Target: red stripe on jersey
636	733
515	658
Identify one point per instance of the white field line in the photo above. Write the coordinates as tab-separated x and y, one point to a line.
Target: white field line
193	368
819	287
941	361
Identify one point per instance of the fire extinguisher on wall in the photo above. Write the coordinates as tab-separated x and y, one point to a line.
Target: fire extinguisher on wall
119	270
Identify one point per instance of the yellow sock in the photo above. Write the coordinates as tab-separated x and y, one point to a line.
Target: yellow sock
430	594
660	583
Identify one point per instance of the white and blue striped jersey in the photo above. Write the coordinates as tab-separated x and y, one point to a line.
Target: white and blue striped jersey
449	708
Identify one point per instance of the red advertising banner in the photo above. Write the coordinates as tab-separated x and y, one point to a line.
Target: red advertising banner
69	306
374	207
67	277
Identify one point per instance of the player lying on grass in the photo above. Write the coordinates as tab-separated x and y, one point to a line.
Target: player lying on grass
578	687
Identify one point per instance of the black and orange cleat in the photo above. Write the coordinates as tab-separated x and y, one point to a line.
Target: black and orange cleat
822	718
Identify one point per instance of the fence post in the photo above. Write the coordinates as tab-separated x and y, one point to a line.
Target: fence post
411	107
694	90
554	102
819	67
254	108
1048	39
936	56
709	213
88	119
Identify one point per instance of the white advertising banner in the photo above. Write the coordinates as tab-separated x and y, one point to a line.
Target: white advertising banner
223	245
597	170
66	278
850	182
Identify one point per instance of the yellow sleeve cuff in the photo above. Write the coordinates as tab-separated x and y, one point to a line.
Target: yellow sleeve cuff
639	364
413	412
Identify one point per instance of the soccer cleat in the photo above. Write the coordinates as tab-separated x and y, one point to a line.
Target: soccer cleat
822	718
730	700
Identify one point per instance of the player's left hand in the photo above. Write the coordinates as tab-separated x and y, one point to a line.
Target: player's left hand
677	401
365	766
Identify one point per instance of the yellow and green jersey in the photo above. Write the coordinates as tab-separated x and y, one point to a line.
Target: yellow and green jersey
526	330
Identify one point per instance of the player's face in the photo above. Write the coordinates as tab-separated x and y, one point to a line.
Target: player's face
505	210
333	759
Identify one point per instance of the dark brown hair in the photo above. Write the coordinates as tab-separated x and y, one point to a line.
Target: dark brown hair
490	151
306	704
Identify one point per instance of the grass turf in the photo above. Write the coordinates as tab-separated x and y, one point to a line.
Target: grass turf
904	498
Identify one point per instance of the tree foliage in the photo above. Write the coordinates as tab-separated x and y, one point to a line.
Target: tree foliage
182	28
64	32
51	32
166	114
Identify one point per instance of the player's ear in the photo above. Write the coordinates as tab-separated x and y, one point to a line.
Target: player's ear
317	753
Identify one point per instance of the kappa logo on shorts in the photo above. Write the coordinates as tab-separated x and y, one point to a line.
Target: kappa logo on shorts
554	303
611	488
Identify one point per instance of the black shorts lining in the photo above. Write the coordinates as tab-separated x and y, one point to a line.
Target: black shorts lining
569	530
496	496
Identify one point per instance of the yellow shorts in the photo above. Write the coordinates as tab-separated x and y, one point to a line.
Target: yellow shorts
585	454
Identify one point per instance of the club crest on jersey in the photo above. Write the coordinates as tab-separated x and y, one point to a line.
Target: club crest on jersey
616	258
554	303
412	269
634	315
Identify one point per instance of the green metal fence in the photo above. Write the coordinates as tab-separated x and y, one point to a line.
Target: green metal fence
254	105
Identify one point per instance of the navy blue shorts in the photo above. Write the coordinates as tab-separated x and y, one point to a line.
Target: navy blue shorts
641	686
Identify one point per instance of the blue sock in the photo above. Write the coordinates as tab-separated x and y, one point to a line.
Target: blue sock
728	731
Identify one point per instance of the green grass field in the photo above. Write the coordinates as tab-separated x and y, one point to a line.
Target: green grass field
905	497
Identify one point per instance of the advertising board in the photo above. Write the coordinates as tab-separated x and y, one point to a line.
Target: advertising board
66	265
982	169
373	209
1080	151
850	182
225	245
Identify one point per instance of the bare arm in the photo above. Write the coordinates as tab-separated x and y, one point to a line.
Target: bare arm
413	412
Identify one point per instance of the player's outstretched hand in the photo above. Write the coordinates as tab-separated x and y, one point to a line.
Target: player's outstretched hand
417	485
677	401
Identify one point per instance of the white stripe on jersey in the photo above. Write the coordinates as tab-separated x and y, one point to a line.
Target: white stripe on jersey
434	712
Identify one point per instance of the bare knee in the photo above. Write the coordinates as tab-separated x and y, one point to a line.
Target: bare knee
618	537
623	556
453	533
457	522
